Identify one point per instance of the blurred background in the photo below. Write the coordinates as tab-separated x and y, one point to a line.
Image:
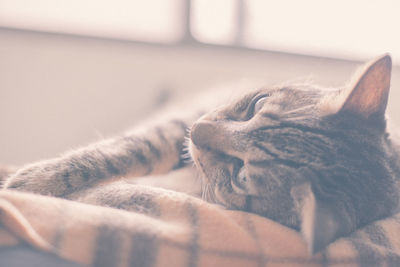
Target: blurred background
74	71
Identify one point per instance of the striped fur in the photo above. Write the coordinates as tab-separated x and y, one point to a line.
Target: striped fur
276	154
273	152
156	150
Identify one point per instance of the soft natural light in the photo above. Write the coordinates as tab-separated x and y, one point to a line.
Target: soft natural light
354	29
349	29
214	21
149	20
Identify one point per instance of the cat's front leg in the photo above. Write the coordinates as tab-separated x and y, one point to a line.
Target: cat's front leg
150	150
50	177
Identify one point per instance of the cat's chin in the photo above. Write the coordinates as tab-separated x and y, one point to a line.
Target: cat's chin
195	155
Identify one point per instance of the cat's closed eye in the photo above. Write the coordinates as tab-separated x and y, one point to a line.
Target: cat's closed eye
259	104
256	105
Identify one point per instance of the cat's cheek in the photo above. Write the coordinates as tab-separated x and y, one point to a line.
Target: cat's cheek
229	198
238	188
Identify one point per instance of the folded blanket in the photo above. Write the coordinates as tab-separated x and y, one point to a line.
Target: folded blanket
183	231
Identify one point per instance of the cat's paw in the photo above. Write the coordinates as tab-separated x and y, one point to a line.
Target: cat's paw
41	178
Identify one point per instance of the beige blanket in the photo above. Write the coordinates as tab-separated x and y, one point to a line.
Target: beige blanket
180	231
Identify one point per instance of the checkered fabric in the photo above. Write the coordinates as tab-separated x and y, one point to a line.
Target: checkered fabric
180	231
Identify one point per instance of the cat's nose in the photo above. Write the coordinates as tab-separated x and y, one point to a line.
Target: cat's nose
203	134
218	136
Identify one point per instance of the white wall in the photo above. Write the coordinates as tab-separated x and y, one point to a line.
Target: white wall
59	92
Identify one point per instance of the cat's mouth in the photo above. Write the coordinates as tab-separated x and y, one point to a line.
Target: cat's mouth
238	183
209	160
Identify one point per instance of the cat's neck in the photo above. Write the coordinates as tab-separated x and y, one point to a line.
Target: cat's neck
393	142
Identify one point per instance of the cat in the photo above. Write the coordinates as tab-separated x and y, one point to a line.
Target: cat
319	161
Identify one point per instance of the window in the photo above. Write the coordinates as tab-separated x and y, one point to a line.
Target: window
346	29
147	21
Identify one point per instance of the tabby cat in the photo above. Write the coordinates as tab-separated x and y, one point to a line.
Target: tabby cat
319	161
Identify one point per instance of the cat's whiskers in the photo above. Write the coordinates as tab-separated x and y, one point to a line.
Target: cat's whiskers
297	118
207	193
186	142
208	196
204	191
298	110
212	197
186	156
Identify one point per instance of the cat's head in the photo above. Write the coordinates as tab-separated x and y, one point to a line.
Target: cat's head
314	160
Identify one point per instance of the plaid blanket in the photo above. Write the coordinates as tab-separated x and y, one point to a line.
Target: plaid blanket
179	230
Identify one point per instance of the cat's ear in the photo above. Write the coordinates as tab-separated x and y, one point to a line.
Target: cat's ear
368	95
321	222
